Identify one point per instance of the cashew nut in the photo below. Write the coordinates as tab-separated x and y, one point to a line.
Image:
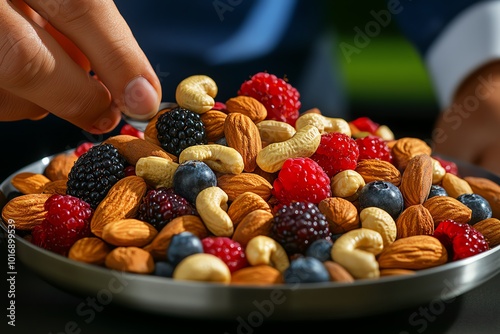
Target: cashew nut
202	267
196	93
438	171
220	158
356	251
156	171
323	123
265	250
211	204
347	184
384	132
272	131
381	221
303	144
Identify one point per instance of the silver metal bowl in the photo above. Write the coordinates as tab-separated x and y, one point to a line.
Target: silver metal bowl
434	287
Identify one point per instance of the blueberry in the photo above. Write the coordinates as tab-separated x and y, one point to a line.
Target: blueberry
182	245
163	269
384	195
191	177
437	190
320	249
481	208
306	269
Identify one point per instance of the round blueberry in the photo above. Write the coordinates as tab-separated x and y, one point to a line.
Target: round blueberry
437	190
306	269
164	269
182	245
384	195
191	177
481	208
320	249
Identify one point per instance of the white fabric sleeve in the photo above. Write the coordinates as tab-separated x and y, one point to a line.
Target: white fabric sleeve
469	41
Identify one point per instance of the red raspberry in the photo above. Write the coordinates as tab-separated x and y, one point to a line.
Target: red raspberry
279	97
82	148
336	152
67	220
449	166
461	240
220	106
128	129
130	170
365	124
301	179
373	147
226	249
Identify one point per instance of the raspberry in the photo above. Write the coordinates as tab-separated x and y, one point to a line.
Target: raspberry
220	106
301	179
373	147
130	170
161	205
82	148
66	221
128	129
365	124
281	99
226	249
460	240
449	166
298	225
336	152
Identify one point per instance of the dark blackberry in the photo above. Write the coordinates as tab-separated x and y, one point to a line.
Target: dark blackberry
95	172
297	225
180	128
161	205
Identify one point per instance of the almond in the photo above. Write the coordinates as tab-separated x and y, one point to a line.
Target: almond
29	182
247	106
405	148
257	275
130	259
244	204
414	253
121	202
133	148
416	180
487	188
158	246
258	222
25	211
342	215
60	166
55	187
455	185
446	207
376	169
235	185
214	124
490	229
337	272
414	220
243	135
128	232
89	250
396	272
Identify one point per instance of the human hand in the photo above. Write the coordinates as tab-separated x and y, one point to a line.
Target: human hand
469	129
43	71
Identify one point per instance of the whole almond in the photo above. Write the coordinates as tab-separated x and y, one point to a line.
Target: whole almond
342	215
490	229
122	201
414	220
487	188
244	204
133	148
255	223
396	272
243	135
89	250
60	165
414	253
247	106
376	169
257	275
235	185
446	207
130	259
337	272
128	232
25	211
214	124
455	185
416	180
405	148
29	182
55	187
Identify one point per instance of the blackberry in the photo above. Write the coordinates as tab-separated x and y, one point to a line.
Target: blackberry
180	128
161	205
297	225
95	172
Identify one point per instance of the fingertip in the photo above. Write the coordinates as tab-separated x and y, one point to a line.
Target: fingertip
140	99
106	123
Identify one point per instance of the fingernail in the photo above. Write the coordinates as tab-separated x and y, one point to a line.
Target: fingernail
104	125
141	99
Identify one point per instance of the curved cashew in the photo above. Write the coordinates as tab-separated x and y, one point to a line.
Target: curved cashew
196	93
356	250
347	184
303	144
438	171
220	158
265	250
323	123
379	220
156	171
202	267
272	131
384	132
211	204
